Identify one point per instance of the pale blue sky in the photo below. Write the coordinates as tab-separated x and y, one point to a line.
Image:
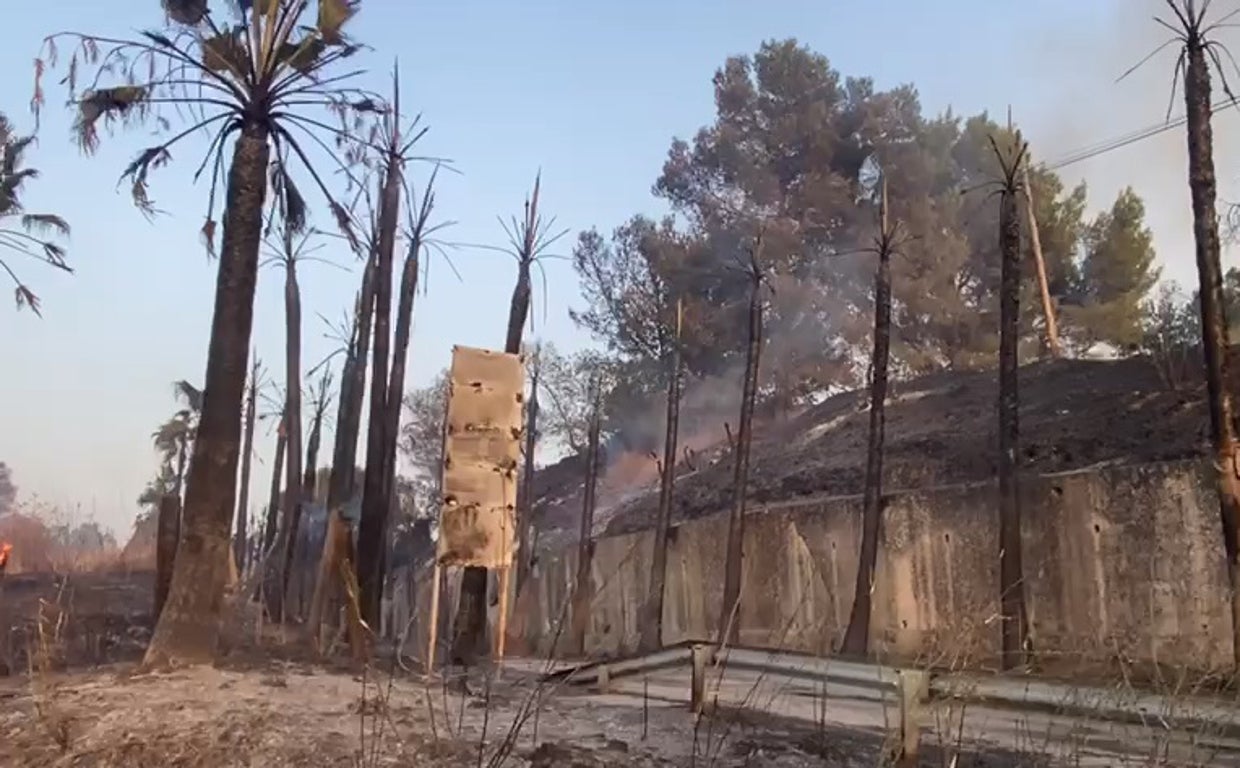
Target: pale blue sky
590	92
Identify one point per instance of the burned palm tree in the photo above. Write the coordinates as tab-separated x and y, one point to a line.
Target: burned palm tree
341	482
256	82
274	412
1012	613
173	440
889	237
240	522
1198	52
319	404
27	234
419	237
397	142
529	240
652	624
289	249
729	619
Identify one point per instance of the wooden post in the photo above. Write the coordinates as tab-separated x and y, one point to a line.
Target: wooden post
603	683
1035	240
697	690
432	625
501	629
914	691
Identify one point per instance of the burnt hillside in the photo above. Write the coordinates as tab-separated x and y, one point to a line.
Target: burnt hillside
941	429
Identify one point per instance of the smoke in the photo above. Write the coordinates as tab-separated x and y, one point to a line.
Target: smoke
1091	104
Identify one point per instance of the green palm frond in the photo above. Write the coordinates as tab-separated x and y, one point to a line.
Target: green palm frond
29	234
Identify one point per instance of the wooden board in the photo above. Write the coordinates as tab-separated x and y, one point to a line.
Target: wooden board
482	448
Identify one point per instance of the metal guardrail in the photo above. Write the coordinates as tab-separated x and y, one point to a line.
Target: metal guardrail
915	690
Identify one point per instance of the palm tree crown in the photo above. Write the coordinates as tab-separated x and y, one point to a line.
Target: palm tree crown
28	234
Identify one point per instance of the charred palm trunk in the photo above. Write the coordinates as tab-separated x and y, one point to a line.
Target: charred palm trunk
310	472
583	591
525	495
857	637
168	533
272	521
518	310
189	624
168	525
341	483
396	384
652	624
1011	584
729	620
247	452
1214	329
291	512
469	635
373	526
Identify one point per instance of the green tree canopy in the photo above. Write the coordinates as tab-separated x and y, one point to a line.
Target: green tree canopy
1117	271
793	153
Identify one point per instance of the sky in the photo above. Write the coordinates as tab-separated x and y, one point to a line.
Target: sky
590	95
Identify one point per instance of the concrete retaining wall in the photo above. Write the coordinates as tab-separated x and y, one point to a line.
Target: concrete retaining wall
1120	563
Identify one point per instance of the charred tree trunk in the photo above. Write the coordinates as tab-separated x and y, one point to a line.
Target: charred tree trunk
310	474
857	636
400	355
373	525
290	518
1011	581
729	619
652	624
341	483
168	533
1214	330
583	591
271	524
518	310
525	496
241	535
188	626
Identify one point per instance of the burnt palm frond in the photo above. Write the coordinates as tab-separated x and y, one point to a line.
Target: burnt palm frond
189	394
273	68
530	237
1191	30
420	233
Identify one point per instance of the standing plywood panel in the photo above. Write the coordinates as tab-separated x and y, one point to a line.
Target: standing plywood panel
482	447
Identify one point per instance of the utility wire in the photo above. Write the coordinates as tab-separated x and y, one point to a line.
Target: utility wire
1110	145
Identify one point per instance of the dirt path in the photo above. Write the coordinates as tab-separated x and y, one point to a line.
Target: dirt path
299	716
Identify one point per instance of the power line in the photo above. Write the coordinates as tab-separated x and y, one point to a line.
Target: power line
1119	142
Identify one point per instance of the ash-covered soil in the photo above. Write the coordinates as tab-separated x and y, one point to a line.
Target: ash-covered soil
87	619
940	430
299	716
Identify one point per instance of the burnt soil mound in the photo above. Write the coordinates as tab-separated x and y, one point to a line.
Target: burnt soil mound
940	430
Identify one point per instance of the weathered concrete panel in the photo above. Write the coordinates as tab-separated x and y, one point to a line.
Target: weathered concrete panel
1120	563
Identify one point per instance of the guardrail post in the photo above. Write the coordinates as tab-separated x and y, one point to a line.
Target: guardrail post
603	682
914	693
697	691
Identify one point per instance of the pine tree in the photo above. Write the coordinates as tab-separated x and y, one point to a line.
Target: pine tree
1116	274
